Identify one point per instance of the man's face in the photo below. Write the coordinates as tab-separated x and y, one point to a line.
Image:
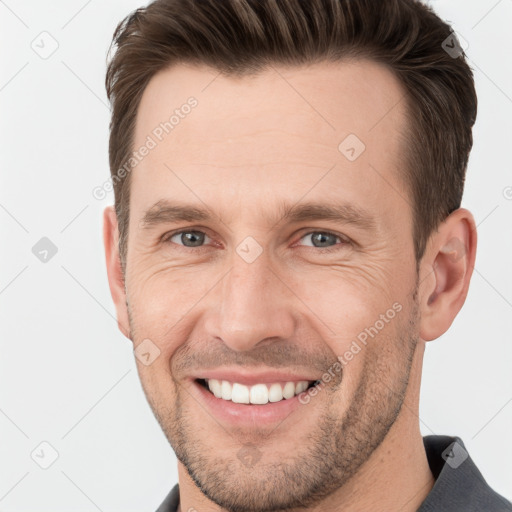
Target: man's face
249	289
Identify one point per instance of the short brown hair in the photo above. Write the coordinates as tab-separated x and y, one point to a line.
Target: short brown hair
241	37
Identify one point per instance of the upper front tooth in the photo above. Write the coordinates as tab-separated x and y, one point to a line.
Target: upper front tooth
258	394
240	394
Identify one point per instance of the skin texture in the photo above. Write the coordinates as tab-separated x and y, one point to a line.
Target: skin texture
250	145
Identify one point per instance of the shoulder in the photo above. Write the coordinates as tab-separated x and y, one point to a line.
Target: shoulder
459	484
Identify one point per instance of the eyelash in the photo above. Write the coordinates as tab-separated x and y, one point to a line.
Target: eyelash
344	240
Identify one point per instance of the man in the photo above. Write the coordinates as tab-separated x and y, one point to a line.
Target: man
286	237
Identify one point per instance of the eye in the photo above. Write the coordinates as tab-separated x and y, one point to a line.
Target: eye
191	238
325	240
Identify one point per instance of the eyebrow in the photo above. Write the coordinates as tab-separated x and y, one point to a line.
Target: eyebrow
165	211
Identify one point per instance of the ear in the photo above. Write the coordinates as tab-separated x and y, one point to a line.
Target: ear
447	267
114	270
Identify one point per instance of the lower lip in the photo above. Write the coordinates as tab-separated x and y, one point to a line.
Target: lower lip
247	414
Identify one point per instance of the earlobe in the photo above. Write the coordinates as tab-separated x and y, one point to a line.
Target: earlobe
114	270
452	253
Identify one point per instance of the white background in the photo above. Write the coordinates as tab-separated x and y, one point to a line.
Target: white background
67	375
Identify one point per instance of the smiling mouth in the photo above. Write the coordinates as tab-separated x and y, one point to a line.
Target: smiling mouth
258	394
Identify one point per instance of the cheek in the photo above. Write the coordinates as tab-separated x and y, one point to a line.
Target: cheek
161	297
354	319
346	300
159	388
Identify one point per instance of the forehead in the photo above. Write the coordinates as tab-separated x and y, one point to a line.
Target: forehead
280	130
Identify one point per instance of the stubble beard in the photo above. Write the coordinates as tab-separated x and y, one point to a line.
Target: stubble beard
325	458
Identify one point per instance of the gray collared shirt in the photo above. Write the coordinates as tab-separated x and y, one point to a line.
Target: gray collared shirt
459	486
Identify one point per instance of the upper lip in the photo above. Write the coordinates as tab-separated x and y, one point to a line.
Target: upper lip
251	378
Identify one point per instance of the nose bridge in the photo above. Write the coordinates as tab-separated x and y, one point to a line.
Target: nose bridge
254	304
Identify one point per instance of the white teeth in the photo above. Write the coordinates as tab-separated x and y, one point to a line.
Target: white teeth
215	388
257	394
240	394
289	390
275	393
226	390
301	386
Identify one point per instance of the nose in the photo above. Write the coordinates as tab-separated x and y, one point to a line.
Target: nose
251	304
